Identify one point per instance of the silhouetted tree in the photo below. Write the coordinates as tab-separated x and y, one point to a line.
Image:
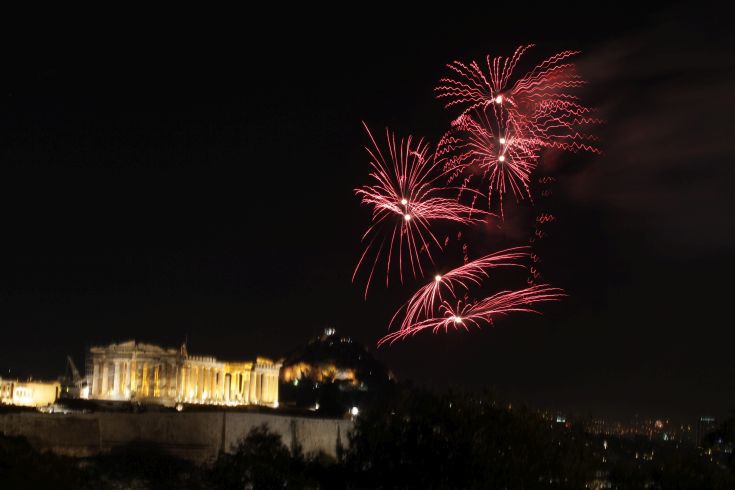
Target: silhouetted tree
259	461
420	440
23	467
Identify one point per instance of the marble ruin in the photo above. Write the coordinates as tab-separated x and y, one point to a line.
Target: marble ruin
151	374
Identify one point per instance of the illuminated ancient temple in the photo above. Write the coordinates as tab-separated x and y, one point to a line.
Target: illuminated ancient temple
153	374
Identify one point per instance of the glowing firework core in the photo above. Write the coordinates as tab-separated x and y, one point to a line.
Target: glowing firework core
437	278
404	201
407	217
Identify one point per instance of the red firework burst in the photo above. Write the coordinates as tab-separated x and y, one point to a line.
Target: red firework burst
405	199
422	303
505	125
487	145
459	314
540	101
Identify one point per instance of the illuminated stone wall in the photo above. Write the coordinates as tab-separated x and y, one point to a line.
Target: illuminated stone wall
196	436
29	393
149	373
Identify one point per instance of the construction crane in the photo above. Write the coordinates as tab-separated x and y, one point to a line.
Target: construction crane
72	383
75	377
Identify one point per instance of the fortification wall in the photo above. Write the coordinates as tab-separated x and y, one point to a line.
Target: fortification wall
196	436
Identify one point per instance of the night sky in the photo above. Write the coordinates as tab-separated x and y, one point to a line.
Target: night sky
193	178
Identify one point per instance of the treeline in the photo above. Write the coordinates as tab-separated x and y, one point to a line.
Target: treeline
410	440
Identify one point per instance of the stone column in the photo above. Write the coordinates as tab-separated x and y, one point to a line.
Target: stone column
179	381
133	376
139	376
200	382
183	379
129	379
123	376
154	379
162	379
105	376
172	374
157	380
170	380
116	378
189	381
147	378
205	383
173	380
252	396
95	380
203	377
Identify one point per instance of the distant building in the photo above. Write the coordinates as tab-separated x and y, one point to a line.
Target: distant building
332	373
29	393
705	425
153	374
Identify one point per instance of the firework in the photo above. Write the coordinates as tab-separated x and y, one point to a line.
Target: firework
422	303
462	315
486	145
504	125
537	101
405	198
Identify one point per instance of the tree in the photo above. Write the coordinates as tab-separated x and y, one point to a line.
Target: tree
259	461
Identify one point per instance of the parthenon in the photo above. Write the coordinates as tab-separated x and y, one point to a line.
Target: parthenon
153	374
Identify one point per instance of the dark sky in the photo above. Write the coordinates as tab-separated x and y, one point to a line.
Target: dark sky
193	176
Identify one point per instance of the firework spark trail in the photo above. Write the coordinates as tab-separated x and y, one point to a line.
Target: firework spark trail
459	314
422	303
485	144
549	83
503	127
539	103
405	198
